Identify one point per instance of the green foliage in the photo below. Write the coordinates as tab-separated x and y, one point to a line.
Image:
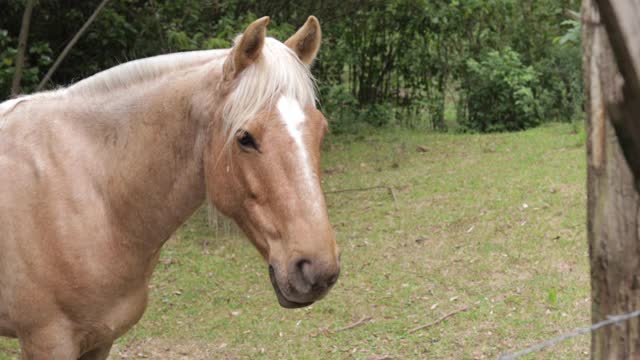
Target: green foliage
572	35
346	116
499	92
560	89
37	60
339	106
382	63
379	115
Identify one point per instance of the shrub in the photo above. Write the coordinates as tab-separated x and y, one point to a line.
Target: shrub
339	107
560	90
37	60
346	115
499	93
378	115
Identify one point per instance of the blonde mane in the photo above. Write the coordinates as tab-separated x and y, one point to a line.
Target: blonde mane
123	76
136	72
278	72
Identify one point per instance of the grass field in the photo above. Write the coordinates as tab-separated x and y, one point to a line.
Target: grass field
495	223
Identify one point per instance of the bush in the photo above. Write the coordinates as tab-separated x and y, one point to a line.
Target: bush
499	93
378	115
339	107
37	60
346	115
560	90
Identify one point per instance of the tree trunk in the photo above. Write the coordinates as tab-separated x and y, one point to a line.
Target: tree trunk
613	203
22	46
621	19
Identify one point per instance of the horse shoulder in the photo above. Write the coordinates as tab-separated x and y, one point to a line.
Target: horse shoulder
56	229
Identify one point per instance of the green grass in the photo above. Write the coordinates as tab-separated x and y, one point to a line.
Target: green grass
493	222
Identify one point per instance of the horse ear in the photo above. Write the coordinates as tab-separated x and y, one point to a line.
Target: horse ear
306	41
247	50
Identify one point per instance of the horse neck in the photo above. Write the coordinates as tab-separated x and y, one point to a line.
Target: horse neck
155	167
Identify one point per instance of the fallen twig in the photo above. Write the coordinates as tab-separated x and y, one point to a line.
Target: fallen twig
365	319
393	195
439	320
378	187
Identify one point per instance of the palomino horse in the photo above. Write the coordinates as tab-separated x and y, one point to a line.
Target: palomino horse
94	178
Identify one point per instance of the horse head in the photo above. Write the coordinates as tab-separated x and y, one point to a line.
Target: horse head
262	162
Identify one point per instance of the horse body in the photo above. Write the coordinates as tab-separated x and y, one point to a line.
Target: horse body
133	181
96	177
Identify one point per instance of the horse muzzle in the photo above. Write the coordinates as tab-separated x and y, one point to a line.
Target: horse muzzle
303	283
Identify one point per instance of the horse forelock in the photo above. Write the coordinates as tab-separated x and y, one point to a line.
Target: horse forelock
278	72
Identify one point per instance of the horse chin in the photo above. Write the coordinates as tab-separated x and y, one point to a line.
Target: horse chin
290	304
282	300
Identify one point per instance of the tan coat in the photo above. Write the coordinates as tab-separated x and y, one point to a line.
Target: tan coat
95	178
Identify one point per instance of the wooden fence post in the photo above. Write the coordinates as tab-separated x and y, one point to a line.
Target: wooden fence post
613	162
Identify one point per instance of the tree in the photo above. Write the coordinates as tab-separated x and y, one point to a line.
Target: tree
22	46
398	63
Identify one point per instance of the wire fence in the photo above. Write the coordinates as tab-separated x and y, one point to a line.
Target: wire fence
611	320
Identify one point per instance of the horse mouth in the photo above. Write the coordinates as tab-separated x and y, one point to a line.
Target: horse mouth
282	300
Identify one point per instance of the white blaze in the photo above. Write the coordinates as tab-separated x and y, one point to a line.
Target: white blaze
293	117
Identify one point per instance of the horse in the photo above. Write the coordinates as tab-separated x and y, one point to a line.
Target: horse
95	178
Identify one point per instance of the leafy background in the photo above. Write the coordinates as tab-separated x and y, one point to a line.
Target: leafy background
443	65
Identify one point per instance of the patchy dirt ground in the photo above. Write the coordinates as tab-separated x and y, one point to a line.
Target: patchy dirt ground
163	349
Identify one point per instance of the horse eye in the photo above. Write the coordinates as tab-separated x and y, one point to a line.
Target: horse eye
246	140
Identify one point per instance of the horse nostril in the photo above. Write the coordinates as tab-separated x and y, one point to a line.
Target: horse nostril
304	268
300	263
317	276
